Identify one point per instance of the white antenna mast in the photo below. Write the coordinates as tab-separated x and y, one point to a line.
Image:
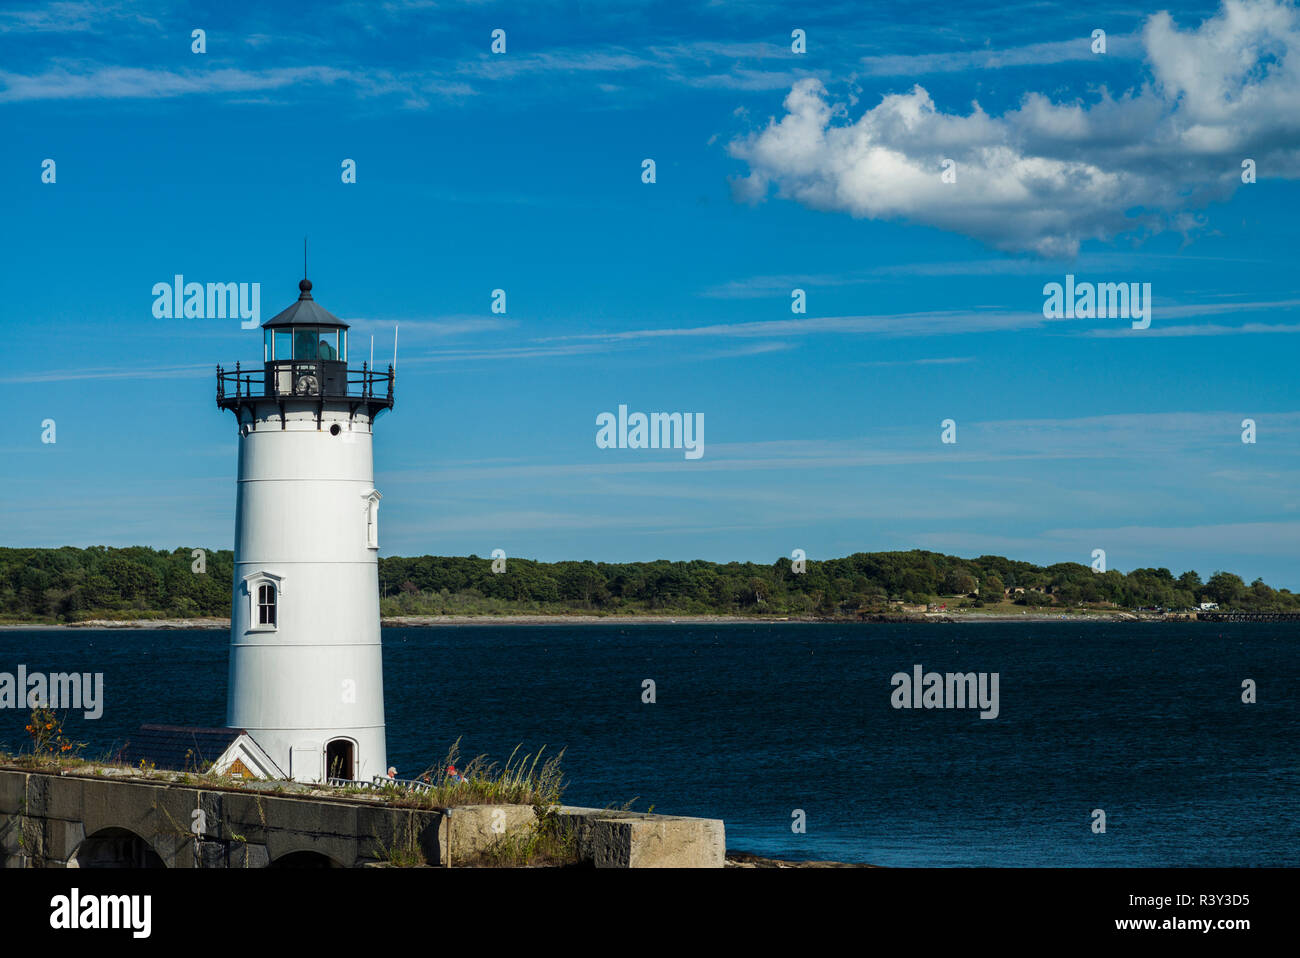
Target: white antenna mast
372	352
394	349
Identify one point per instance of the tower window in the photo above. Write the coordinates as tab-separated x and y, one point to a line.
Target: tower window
264	590
266	605
372	519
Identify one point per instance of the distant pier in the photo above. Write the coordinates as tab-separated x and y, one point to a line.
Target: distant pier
1248	616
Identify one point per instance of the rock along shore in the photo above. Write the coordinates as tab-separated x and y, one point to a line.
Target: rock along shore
425	621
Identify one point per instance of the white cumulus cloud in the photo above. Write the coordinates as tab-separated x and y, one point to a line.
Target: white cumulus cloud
1045	176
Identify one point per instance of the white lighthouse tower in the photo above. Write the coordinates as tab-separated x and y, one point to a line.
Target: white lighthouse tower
306	674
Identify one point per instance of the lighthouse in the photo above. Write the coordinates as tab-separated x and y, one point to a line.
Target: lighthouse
306	672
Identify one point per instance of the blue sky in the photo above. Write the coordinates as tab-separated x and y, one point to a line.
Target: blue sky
774	171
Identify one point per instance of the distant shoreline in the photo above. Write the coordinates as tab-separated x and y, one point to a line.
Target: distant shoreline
433	621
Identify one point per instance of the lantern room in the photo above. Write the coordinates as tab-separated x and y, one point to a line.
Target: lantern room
304	360
307	343
305	350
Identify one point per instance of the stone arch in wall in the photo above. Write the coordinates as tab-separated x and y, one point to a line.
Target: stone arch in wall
115	848
304	859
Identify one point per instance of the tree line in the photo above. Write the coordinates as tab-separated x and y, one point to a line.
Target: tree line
71	584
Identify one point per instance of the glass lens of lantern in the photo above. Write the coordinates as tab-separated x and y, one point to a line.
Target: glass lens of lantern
304	343
283	344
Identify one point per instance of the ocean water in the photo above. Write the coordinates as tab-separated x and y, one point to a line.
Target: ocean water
752	723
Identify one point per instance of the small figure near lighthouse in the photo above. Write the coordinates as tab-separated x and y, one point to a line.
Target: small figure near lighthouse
306	674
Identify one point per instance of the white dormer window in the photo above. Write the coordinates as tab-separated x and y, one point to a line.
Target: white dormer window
263	590
372	518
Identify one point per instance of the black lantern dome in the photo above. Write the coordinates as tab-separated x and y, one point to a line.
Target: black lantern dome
306	332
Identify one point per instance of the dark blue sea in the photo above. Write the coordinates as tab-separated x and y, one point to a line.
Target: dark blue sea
754	722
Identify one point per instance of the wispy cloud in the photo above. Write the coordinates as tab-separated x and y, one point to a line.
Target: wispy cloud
133	372
935	322
507	352
701	65
756	349
601	60
1207	329
443	326
939	361
111	82
764	285
1034	54
68	18
897	324
1124	438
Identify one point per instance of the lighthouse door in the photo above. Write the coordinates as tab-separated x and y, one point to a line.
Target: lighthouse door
339	760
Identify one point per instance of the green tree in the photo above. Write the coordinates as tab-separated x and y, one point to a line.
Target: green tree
1225	588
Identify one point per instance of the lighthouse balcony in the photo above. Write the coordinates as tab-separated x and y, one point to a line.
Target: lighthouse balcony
296	380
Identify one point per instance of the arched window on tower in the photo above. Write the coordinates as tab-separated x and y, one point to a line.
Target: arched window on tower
264	590
266	604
